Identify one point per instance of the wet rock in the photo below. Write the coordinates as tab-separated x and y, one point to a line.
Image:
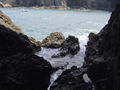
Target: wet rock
101	67
24	72
69	46
72	79
33	41
54	40
103	54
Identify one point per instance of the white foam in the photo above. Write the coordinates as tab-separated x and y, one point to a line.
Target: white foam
67	61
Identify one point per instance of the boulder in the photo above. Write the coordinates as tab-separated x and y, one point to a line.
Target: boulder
69	46
72	79
24	72
54	40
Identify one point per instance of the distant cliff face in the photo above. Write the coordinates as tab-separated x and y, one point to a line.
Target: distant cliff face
29	3
90	4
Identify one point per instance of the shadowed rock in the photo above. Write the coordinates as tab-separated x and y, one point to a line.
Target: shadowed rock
101	67
71	79
24	72
103	54
69	46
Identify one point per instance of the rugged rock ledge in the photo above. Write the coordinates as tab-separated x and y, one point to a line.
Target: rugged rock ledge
101	69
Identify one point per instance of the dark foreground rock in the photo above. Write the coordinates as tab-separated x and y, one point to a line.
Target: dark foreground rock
103	52
69	46
12	40
101	67
20	69
24	72
72	79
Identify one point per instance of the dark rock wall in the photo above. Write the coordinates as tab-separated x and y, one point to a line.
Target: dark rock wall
103	54
101	69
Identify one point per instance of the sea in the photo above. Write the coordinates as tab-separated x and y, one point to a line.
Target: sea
39	23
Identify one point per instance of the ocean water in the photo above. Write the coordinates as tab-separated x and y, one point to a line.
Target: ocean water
39	23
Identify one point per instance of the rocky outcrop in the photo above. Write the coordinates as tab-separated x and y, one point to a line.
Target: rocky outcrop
54	40
6	21
12	43
71	79
106	48
12	39
24	72
101	69
20	69
69	46
88	4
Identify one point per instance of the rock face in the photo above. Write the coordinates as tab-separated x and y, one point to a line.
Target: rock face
101	68
54	40
12	40
69	46
106	48
24	72
89	4
20	69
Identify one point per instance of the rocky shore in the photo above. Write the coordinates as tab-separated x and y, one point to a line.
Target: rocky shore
101	69
21	69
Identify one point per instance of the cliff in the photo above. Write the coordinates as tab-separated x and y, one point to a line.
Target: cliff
101	69
89	4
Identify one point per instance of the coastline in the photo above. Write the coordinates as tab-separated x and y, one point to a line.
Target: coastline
57	8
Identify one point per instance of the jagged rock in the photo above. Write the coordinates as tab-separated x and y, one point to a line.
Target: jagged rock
102	60
103	54
33	40
24	72
6	21
72	79
54	40
69	46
